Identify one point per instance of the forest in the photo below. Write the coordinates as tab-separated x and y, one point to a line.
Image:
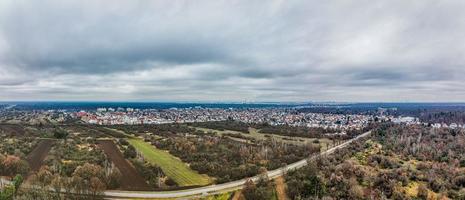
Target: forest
228	160
397	162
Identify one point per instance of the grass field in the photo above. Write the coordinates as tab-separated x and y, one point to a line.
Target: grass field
171	166
223	196
254	133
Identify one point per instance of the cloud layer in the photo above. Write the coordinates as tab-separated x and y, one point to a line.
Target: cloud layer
293	50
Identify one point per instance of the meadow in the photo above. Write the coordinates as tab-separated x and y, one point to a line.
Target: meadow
171	166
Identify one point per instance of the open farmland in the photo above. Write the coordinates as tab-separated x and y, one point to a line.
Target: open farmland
132	180
37	156
12	130
84	131
171	166
112	132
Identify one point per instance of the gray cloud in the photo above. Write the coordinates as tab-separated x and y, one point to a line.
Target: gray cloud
232	50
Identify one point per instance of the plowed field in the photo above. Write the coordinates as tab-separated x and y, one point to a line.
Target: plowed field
131	180
37	156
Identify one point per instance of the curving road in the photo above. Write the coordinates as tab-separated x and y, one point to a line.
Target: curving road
225	186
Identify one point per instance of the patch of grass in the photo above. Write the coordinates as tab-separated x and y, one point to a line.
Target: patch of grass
412	189
255	133
171	166
275	195
219	132
115	133
223	196
371	148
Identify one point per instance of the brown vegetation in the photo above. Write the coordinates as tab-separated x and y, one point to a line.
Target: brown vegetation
398	162
132	179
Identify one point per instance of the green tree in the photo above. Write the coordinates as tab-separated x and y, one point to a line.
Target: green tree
60	133
7	193
17	181
263	189
305	183
314	186
130	152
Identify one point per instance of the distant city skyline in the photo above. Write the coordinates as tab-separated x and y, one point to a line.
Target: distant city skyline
232	51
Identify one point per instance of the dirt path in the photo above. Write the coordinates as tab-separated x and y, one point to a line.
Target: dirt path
131	179
238	195
280	188
36	157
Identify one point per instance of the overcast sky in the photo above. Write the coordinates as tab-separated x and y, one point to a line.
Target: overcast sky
282	50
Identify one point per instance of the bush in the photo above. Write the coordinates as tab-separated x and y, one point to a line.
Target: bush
7	192
170	182
123	142
436	184
114	179
60	134
459	181
151	172
130	152
422	192
262	190
13	165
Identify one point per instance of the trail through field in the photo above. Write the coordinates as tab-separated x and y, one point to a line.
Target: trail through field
131	179
36	158
280	188
238	195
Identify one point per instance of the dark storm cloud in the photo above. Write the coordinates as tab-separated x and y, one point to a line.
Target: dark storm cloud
116	60
232	50
64	38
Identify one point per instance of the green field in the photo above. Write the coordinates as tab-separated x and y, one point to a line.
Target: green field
254	133
171	166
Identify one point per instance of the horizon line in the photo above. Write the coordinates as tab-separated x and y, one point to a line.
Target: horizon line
227	102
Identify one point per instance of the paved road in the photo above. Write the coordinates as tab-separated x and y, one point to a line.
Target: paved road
224	186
